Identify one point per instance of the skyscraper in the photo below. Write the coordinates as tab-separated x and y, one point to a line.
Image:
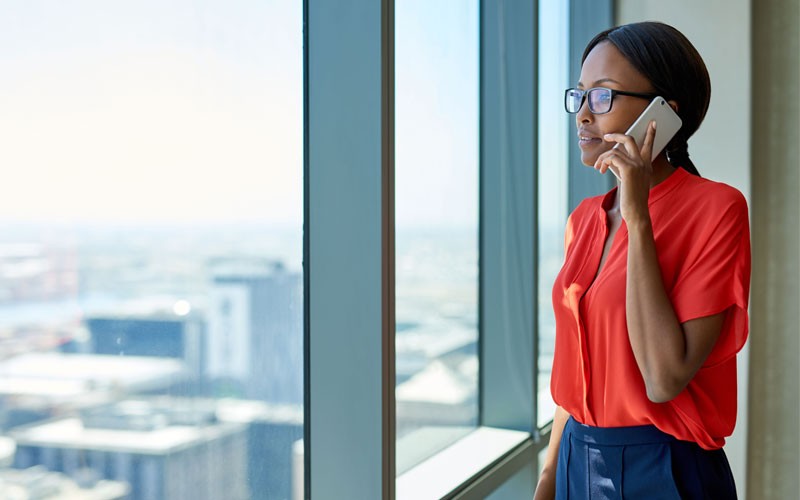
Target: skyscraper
157	333
255	340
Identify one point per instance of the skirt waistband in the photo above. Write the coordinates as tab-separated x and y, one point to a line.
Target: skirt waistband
617	436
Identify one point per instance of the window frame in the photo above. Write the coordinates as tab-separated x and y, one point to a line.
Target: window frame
348	249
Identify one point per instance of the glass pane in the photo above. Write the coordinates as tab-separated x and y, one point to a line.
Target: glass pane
552	173
151	249
436	117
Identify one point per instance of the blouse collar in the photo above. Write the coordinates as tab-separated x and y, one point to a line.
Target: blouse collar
656	192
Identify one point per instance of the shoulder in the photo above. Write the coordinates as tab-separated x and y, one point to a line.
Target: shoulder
703	210
700	204
704	194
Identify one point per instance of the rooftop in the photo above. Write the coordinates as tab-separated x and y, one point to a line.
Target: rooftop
72	433
58	375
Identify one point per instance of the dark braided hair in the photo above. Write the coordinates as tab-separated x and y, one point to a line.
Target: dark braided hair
675	69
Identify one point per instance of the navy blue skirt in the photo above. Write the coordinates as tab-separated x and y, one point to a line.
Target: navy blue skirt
637	463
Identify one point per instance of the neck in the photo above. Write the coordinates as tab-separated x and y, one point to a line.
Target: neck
661	170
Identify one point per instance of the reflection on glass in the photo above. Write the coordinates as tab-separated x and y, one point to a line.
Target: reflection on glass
552	184
436	116
150	251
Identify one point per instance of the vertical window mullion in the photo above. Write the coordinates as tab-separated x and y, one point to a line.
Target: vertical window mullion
349	444
388	253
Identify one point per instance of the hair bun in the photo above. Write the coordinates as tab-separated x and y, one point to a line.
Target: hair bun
678	157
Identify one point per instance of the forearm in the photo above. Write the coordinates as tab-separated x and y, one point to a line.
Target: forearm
657	338
545	488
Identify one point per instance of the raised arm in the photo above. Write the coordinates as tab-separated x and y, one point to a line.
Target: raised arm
668	353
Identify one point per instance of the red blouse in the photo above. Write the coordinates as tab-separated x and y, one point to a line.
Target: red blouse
702	238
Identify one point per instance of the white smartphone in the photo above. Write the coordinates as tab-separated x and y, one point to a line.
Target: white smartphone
667	125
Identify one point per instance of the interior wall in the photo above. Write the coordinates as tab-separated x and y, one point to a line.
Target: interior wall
720	30
774	405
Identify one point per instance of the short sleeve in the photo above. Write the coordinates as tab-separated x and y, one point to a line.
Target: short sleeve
717	276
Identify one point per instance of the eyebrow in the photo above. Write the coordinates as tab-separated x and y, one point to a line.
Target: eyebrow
602	80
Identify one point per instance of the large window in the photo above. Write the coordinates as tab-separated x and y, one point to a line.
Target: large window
163	258
436	193
151	248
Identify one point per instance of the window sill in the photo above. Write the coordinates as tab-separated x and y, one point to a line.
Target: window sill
459	464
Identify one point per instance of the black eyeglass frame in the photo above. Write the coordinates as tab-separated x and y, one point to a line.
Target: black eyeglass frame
614	93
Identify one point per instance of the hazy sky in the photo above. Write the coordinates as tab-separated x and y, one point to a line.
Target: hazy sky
150	110
436	112
191	111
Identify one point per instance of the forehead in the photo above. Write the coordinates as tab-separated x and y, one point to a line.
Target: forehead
605	61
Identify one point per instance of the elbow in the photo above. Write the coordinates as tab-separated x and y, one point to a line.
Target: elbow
657	395
663	389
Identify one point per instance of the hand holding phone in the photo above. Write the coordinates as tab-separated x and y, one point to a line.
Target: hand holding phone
668	124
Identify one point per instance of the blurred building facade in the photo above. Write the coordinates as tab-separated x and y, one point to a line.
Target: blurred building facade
255	336
164	451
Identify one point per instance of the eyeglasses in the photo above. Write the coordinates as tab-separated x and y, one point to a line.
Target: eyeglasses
600	99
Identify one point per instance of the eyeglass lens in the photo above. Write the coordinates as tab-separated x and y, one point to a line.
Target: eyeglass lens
599	100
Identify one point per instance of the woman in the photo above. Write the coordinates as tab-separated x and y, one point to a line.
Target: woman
651	303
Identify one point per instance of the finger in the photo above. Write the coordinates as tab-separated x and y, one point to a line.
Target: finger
647	145
616	150
602	159
605	159
608	162
627	142
616	160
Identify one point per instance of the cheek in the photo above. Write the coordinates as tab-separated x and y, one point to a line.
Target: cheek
620	121
616	124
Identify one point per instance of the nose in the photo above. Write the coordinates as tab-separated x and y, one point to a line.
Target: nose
584	115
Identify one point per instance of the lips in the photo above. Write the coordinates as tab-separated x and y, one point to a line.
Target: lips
587	138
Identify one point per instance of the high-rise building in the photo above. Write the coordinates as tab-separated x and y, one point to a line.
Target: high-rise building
165	451
154	333
254	342
272	431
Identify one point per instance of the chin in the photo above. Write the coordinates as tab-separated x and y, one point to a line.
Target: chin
588	158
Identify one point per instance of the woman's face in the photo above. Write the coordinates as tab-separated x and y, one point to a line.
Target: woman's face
606	67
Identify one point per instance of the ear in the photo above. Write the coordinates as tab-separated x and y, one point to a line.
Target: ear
674	105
